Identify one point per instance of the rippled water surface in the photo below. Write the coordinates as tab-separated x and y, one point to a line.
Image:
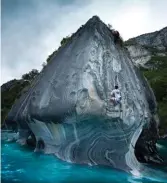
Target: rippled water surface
21	164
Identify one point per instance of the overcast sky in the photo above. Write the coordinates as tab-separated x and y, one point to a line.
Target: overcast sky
33	29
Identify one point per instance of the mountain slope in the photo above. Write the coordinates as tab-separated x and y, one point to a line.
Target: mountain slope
149	53
143	47
10	92
157	39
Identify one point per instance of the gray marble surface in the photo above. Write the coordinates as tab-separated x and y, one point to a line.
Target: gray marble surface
68	106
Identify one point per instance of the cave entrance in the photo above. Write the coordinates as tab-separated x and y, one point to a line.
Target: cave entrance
31	141
40	145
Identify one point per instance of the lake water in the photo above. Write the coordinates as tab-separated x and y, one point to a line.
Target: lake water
21	164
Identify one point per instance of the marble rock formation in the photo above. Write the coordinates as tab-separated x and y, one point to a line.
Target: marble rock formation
68	109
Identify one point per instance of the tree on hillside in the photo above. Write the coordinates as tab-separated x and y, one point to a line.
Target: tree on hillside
65	40
31	75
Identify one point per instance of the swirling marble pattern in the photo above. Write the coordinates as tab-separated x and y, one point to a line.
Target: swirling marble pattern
68	105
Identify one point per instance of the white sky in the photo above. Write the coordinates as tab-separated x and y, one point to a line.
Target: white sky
31	33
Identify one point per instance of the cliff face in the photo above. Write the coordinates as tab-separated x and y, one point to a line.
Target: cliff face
68	109
149	53
139	54
143	47
156	39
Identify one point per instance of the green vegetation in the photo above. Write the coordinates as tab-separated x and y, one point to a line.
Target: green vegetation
152	49
65	40
31	75
62	43
50	56
156	74
12	90
157	77
9	95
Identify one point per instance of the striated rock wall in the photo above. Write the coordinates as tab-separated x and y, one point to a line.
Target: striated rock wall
68	109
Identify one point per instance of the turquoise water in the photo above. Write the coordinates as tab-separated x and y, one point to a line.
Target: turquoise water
21	164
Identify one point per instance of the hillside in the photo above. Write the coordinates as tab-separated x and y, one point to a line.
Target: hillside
12	90
149	53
